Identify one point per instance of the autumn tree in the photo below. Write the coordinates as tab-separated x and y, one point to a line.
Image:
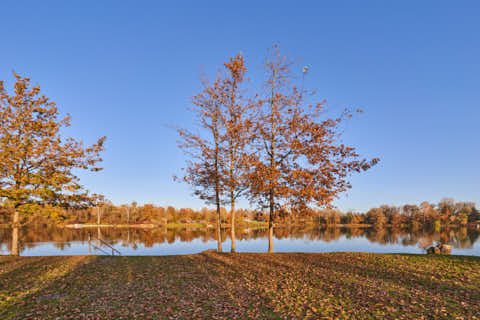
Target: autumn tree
427	211
377	217
204	169
219	171
236	119
171	214
37	163
300	157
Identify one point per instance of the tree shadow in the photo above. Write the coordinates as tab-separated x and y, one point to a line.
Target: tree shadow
211	285
34	278
428	280
231	277
25	269
353	285
378	280
183	287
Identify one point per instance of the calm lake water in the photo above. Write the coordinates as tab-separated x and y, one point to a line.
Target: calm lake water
160	241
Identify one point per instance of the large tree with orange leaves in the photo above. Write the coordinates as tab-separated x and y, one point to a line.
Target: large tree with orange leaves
37	163
300	159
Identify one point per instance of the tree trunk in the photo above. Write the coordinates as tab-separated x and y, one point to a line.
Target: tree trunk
219	231
16	222
232	227
15	250
217	188
98	216
272	165
270	225
270	237
89	244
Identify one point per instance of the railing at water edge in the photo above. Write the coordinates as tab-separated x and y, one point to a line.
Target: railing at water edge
100	243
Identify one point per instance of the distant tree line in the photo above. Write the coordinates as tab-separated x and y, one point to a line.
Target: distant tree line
443	214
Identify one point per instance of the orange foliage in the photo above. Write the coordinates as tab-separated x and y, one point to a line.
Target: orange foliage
36	162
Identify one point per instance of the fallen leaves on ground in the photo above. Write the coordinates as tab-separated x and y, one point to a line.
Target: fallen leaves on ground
241	286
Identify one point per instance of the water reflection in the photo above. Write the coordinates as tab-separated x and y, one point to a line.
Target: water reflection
15	241
51	240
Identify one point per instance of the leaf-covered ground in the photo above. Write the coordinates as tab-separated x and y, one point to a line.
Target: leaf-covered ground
241	286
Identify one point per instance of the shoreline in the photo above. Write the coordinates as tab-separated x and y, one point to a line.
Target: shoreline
199	225
249	224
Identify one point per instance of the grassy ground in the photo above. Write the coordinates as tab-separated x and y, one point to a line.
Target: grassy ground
241	286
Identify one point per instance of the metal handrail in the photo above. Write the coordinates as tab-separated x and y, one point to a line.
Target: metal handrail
98	248
104	243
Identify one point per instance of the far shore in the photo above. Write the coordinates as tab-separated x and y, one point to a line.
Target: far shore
199	225
253	224
244	224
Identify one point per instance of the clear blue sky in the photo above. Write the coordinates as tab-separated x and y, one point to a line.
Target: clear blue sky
127	70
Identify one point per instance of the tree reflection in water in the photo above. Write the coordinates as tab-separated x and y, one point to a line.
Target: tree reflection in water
28	237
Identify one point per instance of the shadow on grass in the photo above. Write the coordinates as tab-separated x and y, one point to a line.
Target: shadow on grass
430	280
357	283
31	278
226	286
182	287
26	268
367	282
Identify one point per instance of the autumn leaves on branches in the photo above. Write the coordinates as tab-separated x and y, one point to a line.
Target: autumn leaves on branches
275	146
271	143
37	164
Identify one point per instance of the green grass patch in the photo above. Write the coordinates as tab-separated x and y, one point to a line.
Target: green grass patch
255	224
186	225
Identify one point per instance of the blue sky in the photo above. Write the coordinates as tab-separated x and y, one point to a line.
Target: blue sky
127	70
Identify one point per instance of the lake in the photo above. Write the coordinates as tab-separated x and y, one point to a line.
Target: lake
49	240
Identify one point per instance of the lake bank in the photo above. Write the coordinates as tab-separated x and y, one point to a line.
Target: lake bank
199	225
263	286
243	224
193	225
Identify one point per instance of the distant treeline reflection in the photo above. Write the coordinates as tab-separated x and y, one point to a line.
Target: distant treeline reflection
462	238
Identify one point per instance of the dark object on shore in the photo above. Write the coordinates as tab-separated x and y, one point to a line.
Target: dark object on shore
440	248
